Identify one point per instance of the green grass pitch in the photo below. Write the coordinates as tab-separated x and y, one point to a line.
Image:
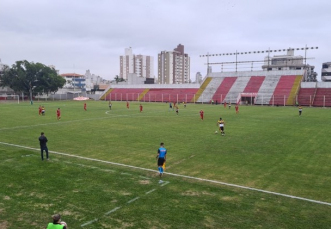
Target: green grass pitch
102	170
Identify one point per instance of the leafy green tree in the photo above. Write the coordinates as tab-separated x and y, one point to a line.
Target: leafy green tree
31	78
118	79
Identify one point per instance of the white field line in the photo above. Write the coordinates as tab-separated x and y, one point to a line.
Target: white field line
80	120
91	167
178	175
134	199
113	210
178	162
150	191
165	183
89	222
28	155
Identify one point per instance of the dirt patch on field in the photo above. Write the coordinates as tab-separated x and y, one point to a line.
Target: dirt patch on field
38	195
229	198
4	225
208	193
144	182
6	198
191	193
43	206
126	193
67	213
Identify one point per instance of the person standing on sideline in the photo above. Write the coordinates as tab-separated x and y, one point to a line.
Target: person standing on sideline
221	123
58	113
57	223
43	145
85	106
141	108
300	110
201	114
127	104
109	105
161	159
237	108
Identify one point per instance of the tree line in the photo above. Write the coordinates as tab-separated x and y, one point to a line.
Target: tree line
31	78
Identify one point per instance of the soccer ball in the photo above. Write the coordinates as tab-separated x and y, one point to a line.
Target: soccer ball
216	132
64	223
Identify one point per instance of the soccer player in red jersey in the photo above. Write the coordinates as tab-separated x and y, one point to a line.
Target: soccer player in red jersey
201	114
58	114
127	104
141	108
84	106
237	108
224	104
40	108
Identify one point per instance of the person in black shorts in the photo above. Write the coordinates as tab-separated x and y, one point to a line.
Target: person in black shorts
161	158
43	146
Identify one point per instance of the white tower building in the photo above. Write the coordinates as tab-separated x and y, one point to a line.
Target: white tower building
174	66
141	65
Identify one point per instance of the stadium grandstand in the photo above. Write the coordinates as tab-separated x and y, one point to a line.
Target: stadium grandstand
284	80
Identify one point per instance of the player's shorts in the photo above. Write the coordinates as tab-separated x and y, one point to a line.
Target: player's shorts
222	128
160	161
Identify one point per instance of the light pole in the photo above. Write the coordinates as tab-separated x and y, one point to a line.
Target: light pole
31	87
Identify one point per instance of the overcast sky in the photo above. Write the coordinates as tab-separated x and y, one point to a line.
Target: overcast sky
76	35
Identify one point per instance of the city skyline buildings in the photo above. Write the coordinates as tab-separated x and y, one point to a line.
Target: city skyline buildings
173	66
142	65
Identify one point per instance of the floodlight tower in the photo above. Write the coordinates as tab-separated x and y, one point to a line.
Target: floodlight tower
254	52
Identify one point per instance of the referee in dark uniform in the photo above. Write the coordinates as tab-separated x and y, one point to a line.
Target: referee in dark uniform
43	146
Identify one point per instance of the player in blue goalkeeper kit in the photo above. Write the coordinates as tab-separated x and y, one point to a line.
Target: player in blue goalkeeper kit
161	158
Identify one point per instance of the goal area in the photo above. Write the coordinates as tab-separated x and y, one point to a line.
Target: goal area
10	99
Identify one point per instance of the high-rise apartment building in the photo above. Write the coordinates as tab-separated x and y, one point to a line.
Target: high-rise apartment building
141	65
174	66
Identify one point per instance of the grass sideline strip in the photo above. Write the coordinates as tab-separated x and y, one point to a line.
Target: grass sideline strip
178	175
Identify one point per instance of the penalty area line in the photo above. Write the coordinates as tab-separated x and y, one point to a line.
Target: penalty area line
178	175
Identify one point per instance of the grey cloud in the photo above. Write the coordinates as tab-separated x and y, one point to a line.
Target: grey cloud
79	35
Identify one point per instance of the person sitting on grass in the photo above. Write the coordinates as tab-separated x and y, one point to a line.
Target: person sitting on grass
57	223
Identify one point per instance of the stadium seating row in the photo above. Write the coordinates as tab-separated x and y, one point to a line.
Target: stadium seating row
262	90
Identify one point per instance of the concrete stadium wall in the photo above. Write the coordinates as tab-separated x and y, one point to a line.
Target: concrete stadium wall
256	73
157	86
313	84
308	84
324	84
